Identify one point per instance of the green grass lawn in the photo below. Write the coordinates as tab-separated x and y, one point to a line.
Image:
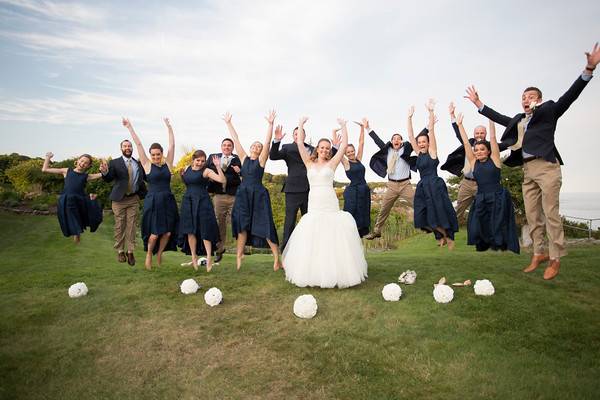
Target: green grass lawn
136	336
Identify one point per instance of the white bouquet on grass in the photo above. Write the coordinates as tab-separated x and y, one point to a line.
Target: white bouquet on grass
189	286
442	293
391	292
408	277
213	297
305	306
78	289
484	288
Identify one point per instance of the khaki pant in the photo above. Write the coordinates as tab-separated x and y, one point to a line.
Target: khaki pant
395	190
466	193
541	190
126	214
223	205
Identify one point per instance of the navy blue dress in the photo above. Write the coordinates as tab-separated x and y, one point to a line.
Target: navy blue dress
357	197
432	205
491	223
252	208
75	210
160	208
197	215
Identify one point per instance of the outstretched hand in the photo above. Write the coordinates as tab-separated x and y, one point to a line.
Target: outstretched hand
227	117
593	57
473	95
430	105
411	111
49	155
302	121
126	123
459	118
167	123
336	138
216	160
271	117
279	135
451	108
342	122
103	166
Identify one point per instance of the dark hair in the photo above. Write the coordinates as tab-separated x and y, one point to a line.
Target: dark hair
487	144
422	134
199	154
534	89
88	157
350	145
155	146
396	134
123	141
228	140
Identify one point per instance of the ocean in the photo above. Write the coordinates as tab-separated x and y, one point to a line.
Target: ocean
582	205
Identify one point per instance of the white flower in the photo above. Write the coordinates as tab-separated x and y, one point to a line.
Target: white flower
213	297
391	292
484	288
189	286
443	293
408	277
77	290
305	306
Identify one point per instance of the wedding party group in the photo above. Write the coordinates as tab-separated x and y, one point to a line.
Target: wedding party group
324	248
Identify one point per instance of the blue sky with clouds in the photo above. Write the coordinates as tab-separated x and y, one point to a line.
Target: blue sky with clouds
70	70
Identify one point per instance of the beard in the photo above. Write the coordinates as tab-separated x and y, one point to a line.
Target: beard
127	153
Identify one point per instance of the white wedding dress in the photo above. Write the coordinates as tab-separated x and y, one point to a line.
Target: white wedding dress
324	249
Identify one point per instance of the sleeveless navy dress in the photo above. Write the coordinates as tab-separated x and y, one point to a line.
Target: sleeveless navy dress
75	210
357	197
491	223
252	208
160	208
432	205
197	215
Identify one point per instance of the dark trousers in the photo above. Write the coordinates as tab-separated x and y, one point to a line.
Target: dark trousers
293	203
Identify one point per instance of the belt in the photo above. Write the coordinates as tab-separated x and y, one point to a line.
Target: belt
398	180
469	179
526	160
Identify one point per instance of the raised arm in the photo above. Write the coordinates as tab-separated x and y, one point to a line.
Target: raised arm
409	128
361	139
300	142
451	109
473	95
171	152
465	140
276	152
432	142
46	166
144	160
494	146
335	160
234	136
218	176
264	154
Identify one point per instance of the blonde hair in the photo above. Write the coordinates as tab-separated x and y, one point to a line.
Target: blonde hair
315	155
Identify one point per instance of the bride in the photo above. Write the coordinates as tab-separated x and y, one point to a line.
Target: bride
324	249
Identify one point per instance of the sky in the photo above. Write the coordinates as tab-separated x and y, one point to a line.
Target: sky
70	70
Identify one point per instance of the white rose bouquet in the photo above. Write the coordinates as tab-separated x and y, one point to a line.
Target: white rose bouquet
484	288
213	297
305	306
189	286
78	289
408	277
391	292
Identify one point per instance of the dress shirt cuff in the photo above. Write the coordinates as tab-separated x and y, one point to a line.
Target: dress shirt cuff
586	76
453	120
276	140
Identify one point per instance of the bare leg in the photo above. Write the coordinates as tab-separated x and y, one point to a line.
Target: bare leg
241	243
275	250
151	243
76	239
446	239
192	241
164	239
208	248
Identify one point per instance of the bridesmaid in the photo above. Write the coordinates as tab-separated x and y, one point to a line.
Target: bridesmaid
252	216
491	223
76	211
433	209
160	217
198	221
357	195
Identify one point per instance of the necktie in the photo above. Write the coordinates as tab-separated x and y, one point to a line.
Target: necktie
224	163
130	173
521	127
392	166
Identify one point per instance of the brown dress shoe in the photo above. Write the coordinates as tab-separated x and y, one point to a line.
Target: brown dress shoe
536	260
130	258
121	257
373	235
552	269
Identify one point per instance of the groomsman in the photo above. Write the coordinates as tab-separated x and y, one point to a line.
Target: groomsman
224	194
296	185
530	136
126	193
394	160
457	164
